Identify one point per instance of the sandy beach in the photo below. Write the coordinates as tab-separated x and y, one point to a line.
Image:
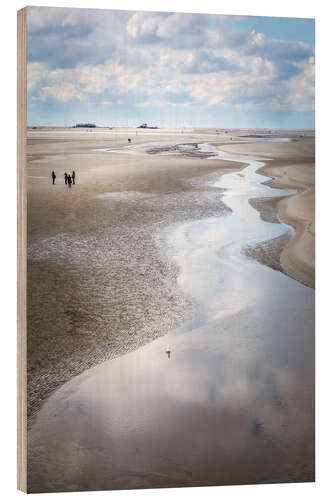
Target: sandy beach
292	165
99	283
178	236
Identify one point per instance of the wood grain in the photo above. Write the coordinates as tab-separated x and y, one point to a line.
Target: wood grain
21	252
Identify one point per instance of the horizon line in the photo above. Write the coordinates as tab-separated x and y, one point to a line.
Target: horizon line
169	127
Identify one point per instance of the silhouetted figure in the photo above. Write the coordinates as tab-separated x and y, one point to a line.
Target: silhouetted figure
129	140
69	181
66	177
73	176
168	351
53	175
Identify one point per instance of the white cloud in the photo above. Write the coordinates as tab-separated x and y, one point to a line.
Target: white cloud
62	92
164	58
143	26
35	72
94	79
178	24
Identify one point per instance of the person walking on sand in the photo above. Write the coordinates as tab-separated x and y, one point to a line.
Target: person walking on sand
53	175
69	181
66	177
73	177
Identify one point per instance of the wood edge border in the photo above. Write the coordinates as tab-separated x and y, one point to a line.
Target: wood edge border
21	251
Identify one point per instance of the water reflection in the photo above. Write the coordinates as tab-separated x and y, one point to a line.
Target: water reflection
236	405
209	251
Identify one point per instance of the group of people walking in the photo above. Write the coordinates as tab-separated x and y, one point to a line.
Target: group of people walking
69	179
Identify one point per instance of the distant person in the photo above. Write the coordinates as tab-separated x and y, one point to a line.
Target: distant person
129	140
53	175
66	177
69	181
73	176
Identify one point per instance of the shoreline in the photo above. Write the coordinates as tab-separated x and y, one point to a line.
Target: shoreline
297	256
227	373
293	171
129	192
89	316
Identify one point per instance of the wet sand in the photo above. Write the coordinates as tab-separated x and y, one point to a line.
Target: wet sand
292	166
99	281
234	403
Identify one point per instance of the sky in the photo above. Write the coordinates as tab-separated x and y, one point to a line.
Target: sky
123	68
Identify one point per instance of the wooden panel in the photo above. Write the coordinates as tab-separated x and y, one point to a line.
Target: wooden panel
21	252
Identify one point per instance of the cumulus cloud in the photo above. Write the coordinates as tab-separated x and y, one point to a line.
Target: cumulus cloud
64	37
174	30
277	50
143	26
64	92
201	62
171	59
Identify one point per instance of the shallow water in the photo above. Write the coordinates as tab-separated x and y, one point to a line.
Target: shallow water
210	250
234	401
